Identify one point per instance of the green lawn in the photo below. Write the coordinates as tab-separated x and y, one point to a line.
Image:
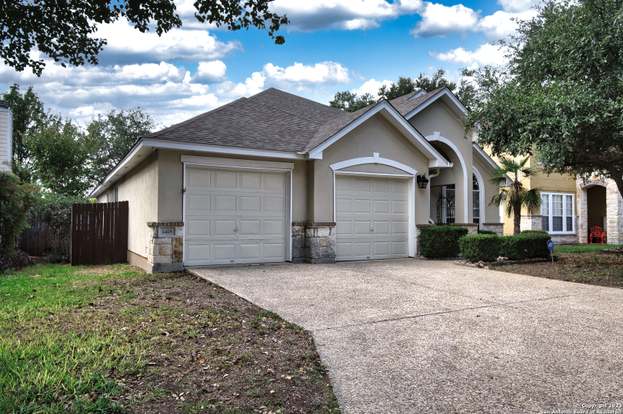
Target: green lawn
112	339
585	248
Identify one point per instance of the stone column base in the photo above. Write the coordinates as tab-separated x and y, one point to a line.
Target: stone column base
313	242
164	246
532	222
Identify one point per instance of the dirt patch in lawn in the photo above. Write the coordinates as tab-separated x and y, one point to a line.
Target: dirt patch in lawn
197	348
604	269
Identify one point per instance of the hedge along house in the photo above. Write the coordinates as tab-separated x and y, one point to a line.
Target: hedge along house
276	177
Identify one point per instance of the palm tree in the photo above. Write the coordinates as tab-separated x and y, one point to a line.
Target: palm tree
514	194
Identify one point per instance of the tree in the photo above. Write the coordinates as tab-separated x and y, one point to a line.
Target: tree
59	155
15	201
561	96
109	138
28	113
516	196
64	31
350	101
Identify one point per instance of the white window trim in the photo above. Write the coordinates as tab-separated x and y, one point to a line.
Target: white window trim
550	210
481	194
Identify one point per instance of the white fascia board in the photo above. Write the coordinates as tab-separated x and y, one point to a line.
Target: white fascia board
220	149
486	156
444	92
154	144
410	132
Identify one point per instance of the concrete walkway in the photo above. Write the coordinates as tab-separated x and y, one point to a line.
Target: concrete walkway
411	336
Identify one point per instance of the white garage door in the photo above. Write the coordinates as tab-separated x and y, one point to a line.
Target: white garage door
372	218
234	217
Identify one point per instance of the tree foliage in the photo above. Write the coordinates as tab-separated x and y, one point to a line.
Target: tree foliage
67	31
515	196
110	137
350	101
27	112
15	200
561	96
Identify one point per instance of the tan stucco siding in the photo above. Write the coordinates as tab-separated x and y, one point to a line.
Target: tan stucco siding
492	211
171	172
438	120
140	189
376	135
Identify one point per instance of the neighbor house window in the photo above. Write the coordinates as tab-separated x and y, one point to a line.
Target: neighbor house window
557	212
476	201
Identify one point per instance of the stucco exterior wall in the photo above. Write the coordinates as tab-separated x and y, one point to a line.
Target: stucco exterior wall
375	136
439	122
492	212
140	189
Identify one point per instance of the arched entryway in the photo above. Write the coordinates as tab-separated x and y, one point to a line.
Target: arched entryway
449	187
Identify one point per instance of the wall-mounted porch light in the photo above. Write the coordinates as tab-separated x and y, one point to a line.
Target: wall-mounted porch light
422	181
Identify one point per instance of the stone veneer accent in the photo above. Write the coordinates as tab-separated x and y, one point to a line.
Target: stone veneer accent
497	228
614	209
313	242
164	246
531	222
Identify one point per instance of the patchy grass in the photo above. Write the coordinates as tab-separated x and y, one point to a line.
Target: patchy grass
604	269
585	248
115	340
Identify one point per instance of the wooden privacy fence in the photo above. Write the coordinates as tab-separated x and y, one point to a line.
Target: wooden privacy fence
99	233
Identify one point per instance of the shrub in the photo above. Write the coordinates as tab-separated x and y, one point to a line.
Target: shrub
486	232
480	247
440	241
15	201
526	245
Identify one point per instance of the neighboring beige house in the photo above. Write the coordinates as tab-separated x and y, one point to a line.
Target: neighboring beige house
570	207
276	177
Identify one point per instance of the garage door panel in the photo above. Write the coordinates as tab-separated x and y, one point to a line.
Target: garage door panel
234	216
372	218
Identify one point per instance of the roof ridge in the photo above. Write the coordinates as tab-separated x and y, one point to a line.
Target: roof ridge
298	97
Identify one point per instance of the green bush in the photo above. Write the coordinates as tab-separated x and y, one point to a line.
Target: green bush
440	241
480	247
526	245
486	232
15	201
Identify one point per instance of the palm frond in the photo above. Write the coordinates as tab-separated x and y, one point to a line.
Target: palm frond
531	199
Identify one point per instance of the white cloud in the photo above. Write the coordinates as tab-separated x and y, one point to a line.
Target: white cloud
486	54
438	19
323	72
125	42
502	24
212	70
342	14
519	5
372	87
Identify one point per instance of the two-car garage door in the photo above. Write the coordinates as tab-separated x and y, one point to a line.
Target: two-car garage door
372	217
234	216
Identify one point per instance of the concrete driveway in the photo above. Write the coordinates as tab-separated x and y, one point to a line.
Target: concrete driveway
409	336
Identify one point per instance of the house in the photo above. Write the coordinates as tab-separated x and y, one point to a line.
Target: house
6	137
571	207
277	177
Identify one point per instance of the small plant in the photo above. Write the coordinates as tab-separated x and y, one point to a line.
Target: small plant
440	241
480	247
526	245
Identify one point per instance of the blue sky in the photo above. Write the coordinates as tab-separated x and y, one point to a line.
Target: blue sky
331	45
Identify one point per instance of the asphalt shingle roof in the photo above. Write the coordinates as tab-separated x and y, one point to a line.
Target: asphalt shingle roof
272	120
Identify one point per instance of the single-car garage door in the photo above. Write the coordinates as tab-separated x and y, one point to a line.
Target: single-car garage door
372	218
234	217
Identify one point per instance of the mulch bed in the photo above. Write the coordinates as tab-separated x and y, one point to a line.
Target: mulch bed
604	269
208	351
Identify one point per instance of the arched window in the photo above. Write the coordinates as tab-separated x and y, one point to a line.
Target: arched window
476	202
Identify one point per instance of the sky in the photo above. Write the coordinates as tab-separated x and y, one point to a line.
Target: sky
331	45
